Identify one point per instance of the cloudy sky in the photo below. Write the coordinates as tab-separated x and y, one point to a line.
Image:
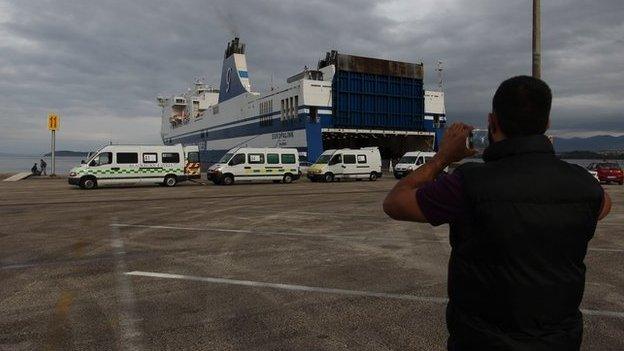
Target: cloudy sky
101	63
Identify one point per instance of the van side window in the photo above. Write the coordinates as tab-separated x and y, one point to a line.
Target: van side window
349	159
361	158
193	157
170	157
273	159
419	161
255	159
127	157
237	160
105	158
427	159
150	157
336	159
288	158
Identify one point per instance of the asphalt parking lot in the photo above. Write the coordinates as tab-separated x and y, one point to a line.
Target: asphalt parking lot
302	266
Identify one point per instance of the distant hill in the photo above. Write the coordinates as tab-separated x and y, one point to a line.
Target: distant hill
595	143
591	155
66	153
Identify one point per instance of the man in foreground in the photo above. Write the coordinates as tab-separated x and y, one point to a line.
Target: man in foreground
519	227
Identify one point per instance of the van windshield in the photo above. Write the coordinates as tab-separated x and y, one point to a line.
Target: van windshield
226	158
408	159
90	156
323	159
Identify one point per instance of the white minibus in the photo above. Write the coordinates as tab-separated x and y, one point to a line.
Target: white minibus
363	163
256	164
137	164
411	161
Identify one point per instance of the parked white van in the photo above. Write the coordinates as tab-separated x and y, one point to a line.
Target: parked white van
256	164
364	163
137	164
411	161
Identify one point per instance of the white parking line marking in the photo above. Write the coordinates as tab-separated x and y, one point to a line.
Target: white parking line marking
431	299
180	228
17	266
243	231
605	250
289	287
602	313
130	335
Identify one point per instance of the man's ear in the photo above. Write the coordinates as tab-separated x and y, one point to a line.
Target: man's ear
492	122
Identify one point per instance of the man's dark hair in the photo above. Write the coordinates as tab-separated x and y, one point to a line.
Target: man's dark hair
522	105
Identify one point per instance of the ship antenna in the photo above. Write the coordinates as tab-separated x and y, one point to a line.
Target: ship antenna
272	81
439	70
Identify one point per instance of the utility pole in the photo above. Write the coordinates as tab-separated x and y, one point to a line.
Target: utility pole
537	38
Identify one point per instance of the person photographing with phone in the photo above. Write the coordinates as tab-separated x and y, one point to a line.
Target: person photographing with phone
520	223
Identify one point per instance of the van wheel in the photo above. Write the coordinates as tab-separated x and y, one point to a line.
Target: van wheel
328	178
287	178
170	181
373	176
88	183
227	179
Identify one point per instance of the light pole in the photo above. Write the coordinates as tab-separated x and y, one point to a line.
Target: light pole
537	38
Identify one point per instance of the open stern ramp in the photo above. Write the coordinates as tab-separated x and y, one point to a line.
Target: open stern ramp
391	143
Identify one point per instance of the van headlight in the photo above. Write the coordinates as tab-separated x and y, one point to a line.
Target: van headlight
73	174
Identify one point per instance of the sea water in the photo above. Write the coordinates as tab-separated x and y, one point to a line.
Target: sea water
16	164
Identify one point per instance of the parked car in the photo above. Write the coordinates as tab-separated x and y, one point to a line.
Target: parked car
610	172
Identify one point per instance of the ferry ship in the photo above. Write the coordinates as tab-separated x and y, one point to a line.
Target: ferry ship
347	101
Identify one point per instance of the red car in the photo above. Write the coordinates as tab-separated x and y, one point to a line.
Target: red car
610	172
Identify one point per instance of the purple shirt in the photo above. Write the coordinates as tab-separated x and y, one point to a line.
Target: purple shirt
443	201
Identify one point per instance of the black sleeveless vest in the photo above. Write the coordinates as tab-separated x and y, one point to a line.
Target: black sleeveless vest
516	272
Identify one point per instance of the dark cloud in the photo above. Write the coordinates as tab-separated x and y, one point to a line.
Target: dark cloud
100	64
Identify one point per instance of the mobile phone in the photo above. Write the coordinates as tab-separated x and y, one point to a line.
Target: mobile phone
478	139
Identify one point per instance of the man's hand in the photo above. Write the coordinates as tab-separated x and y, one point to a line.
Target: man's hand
453	146
401	203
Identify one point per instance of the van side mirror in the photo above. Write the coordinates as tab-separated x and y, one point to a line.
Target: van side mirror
82	162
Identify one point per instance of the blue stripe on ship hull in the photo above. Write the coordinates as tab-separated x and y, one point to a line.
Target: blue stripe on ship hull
252	130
